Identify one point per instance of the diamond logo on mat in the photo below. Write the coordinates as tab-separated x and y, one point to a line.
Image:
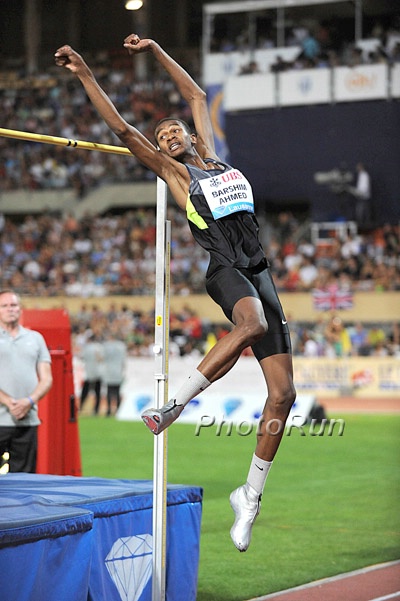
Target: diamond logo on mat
129	564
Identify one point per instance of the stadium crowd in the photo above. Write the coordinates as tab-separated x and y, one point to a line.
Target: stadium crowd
328	43
190	335
49	256
115	255
55	104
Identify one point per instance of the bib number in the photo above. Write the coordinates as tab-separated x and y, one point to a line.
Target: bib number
228	193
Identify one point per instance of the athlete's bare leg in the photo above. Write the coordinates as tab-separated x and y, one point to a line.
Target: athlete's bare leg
249	326
278	373
246	500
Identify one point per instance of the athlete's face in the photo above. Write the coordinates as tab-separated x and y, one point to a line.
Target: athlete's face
174	139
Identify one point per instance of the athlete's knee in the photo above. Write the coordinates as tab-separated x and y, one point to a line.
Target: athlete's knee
281	400
253	329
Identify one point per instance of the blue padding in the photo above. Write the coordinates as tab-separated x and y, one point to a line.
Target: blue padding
45	549
26	518
101	495
120	553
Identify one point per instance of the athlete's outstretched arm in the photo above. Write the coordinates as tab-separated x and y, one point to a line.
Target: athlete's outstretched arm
188	88
138	144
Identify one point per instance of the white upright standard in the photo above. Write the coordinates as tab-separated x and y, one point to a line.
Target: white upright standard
161	344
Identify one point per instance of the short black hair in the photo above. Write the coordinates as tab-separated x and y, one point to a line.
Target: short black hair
181	121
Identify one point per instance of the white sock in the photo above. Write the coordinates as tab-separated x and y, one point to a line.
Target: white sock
195	384
258	473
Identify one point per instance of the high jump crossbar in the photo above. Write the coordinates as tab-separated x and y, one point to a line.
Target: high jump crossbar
161	349
45	139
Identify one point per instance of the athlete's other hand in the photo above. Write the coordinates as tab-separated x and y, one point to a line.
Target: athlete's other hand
135	45
68	58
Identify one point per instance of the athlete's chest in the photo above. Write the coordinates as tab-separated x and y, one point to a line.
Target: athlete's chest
222	192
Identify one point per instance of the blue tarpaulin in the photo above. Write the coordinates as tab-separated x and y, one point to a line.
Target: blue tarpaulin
45	549
120	547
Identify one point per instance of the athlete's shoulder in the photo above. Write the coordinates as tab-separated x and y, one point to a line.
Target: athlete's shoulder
211	164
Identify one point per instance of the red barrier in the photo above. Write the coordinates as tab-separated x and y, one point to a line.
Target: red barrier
58	434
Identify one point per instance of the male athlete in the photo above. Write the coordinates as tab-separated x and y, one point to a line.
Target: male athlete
219	204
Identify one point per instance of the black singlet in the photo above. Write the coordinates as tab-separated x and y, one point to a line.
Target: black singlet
238	266
231	241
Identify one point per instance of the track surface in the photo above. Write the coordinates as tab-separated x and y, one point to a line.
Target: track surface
375	583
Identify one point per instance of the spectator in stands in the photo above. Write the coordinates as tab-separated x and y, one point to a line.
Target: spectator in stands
309	345
395	55
250	68
227	45
355	57
377	56
380	349
376	338
359	339
279	65
338	337
266	40
392	35
311	47
307	272
393	340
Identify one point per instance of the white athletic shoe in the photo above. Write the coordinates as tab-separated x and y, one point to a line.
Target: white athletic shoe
159	419
245	502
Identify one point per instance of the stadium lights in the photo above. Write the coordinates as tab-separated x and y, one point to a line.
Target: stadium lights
133	4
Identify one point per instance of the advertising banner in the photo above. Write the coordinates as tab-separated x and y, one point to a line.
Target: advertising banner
238	398
359	376
247	92
235	400
218	66
395	87
364	82
308	86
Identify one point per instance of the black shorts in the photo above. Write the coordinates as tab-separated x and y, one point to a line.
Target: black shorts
227	285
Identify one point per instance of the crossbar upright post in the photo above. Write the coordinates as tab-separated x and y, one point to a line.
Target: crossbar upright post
161	352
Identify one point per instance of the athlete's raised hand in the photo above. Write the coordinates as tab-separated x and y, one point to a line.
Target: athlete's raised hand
135	45
68	58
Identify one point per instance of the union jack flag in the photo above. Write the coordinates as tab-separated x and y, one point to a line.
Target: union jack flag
332	299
